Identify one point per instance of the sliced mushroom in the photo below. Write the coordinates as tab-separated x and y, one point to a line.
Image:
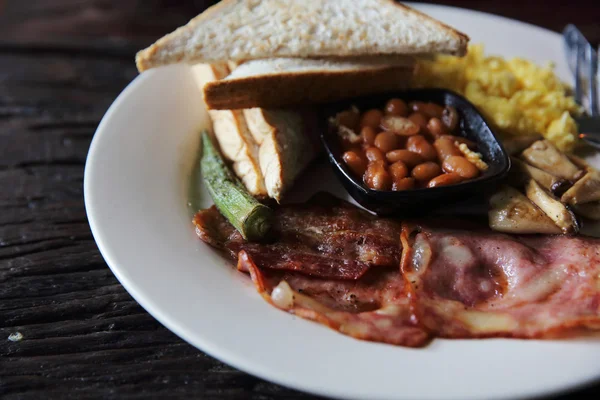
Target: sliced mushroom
551	183
580	162
588	210
543	155
512	212
516	144
557	211
585	190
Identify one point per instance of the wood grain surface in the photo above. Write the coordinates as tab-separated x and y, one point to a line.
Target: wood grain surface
62	63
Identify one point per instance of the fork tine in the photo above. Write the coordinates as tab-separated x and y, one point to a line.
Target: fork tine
572	36
578	91
593	81
570	40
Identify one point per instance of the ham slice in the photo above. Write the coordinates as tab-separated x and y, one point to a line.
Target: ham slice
475	284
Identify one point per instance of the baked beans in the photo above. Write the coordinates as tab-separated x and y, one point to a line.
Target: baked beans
377	177
396	107
404	184
416	106
418	144
430	110
433	110
368	135
349	118
450	118
386	141
409	158
371	118
461	166
398	170
436	127
374	154
462	140
399	125
445	148
405	146
355	162
426	171
420	120
445	180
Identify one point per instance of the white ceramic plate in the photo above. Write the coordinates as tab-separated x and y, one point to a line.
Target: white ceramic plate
137	185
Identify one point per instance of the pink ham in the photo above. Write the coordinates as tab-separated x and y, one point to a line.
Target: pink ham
469	284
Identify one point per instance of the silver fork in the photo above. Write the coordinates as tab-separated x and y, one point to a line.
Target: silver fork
583	62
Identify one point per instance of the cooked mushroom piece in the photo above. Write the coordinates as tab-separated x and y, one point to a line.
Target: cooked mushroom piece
579	162
512	212
588	210
557	211
516	144
543	155
585	190
551	183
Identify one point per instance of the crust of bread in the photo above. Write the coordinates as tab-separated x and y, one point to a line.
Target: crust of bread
217	71
303	88
187	43
461	37
145	59
233	64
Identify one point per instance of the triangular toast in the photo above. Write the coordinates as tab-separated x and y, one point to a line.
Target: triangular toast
234	30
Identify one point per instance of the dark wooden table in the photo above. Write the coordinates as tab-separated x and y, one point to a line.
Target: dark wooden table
62	62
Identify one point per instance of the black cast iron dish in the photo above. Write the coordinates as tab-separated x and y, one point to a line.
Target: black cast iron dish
419	201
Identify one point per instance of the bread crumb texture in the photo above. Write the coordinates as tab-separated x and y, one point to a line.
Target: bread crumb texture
254	29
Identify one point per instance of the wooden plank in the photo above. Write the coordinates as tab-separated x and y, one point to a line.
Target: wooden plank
550	15
119	28
110	27
83	336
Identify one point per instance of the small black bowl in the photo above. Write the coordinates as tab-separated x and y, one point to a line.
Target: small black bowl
426	200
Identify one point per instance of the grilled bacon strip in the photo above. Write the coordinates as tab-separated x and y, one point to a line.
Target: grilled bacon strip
441	281
325	238
335	303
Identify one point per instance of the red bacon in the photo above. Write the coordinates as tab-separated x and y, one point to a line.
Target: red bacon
325	238
390	323
446	282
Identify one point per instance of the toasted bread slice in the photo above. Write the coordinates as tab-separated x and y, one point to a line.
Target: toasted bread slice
252	29
233	135
288	144
291	82
233	65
